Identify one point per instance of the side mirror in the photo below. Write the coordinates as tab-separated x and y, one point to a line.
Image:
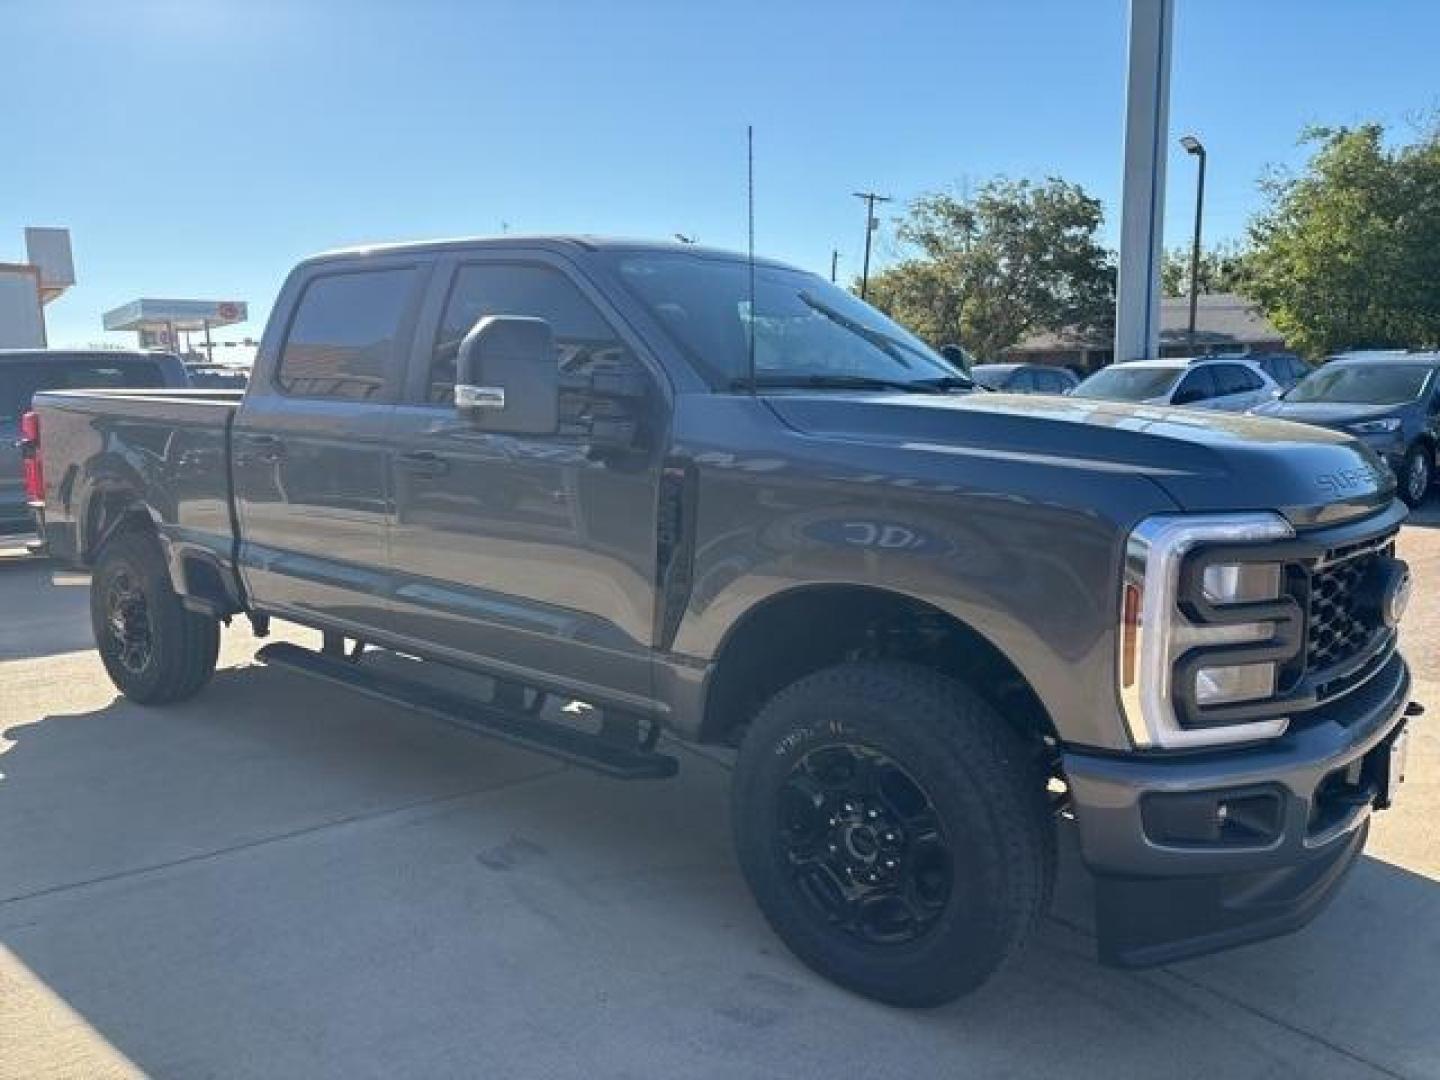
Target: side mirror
508	376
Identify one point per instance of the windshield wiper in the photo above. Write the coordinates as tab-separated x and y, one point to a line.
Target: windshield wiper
840	382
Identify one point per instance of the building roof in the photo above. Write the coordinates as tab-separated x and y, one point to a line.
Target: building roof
1220	319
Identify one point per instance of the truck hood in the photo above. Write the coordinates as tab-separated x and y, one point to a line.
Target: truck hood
1334	414
1205	461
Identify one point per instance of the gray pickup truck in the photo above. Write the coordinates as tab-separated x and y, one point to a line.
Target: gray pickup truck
729	502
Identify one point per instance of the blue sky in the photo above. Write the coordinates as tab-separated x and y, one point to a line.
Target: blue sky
199	148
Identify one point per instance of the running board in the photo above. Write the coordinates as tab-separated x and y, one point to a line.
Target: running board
596	752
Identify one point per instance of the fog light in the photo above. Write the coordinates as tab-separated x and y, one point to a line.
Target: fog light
1237	682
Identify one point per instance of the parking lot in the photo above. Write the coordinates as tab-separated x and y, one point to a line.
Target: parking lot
278	879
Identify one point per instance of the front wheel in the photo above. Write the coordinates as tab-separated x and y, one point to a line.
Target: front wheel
154	649
895	832
1415	475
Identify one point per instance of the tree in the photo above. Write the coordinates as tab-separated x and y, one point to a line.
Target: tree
1222	270
1347	252
985	270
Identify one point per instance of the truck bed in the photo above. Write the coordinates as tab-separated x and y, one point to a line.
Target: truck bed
109	453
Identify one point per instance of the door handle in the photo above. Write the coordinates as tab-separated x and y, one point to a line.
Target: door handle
422	463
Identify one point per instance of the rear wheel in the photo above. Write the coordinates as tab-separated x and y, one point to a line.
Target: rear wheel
153	648
1415	475
895	832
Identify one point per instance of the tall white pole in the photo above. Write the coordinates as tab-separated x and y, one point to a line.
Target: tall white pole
1142	198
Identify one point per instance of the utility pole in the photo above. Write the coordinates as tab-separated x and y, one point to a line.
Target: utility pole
869	198
834	263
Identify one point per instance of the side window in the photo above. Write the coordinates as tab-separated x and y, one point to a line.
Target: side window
1234	379
1051	382
1198	385
1298	369
583	339
1021	381
344	333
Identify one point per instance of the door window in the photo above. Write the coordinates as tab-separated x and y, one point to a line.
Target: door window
1235	379
1051	382
583	339
1198	385
1021	381
343	337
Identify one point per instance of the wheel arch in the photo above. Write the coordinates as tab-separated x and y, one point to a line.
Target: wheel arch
808	627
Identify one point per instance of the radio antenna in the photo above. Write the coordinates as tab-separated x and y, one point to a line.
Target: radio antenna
750	211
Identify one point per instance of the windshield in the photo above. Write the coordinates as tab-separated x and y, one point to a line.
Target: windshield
1122	382
1363	384
806	329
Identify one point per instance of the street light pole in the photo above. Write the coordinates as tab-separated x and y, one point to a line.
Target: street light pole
834	263
1195	147
870	199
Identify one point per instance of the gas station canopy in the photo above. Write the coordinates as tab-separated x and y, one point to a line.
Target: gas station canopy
161	322
176	315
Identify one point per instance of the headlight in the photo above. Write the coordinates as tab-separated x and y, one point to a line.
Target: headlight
1376	427
1161	641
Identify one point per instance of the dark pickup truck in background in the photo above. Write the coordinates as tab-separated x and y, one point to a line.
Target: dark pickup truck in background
733	503
25	372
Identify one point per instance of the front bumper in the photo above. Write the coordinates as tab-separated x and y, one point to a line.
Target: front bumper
1159	899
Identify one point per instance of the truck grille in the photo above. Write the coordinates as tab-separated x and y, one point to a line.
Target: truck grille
1340	621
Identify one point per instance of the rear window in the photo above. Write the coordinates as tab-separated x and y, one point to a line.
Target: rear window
19	383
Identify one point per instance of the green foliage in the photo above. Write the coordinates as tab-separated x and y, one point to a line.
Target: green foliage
1222	270
985	270
1347	252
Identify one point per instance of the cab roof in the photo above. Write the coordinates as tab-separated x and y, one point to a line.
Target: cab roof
579	244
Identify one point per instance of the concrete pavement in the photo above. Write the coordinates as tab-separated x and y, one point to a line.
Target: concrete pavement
279	879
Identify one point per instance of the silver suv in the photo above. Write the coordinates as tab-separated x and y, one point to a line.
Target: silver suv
1229	385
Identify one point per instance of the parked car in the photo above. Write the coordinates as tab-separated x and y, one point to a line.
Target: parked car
23	372
1227	385
1024	378
939	625
1391	403
1286	369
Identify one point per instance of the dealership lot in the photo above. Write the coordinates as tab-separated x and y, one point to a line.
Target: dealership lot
278	879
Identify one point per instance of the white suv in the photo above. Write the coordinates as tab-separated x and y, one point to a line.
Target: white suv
1230	385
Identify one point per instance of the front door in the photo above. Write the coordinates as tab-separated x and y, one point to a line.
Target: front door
532	556
310	452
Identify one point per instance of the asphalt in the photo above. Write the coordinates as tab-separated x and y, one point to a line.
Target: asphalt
278	879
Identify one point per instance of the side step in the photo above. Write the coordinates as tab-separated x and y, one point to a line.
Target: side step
608	756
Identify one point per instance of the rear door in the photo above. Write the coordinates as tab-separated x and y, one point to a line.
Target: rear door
309	446
532	555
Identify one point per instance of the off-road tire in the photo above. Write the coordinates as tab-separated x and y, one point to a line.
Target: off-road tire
987	787
183	644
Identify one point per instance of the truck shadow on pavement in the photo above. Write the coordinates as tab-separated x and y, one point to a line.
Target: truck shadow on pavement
280	879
